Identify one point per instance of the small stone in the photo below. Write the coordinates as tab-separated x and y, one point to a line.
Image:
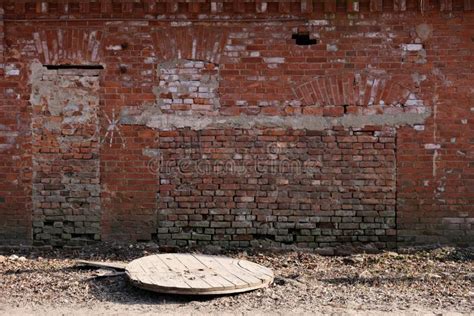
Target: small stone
365	275
13	257
3	259
213	249
327	251
469	276
353	260
433	276
344	250
279	281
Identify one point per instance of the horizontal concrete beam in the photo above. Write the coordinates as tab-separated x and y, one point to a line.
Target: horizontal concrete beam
173	121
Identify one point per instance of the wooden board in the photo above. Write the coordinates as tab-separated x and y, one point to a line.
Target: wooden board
100	264
194	274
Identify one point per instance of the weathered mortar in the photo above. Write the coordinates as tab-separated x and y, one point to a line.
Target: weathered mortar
316	123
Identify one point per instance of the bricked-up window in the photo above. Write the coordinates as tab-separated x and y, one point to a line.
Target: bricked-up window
188	86
86	67
66	142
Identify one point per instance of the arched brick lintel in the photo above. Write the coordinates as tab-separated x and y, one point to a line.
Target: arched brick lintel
204	43
68	46
354	89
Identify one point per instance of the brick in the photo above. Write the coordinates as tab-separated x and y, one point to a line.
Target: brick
260	142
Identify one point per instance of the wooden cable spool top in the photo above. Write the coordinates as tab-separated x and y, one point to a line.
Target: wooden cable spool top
194	274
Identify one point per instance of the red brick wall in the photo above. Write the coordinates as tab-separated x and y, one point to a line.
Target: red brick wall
237	187
380	109
15	153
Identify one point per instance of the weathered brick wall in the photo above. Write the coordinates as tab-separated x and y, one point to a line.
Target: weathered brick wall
65	147
238	187
213	122
15	153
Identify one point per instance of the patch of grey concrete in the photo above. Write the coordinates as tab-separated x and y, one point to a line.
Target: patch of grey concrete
161	121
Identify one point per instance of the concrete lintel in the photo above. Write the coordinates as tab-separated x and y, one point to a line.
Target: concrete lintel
173	121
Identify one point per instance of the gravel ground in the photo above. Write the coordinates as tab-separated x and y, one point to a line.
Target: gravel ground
42	281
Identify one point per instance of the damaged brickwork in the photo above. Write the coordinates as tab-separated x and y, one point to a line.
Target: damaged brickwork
272	187
188	86
65	145
237	123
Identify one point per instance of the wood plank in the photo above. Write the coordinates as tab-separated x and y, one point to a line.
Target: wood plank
100	264
193	281
169	263
223	271
142	268
161	274
197	274
217	275
234	269
208	274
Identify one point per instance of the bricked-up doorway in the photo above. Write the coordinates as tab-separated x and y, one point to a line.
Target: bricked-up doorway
66	175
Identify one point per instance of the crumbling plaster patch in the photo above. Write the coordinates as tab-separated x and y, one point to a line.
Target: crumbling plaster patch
51	90
159	116
66	169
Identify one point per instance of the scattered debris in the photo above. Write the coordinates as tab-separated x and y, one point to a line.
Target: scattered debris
102	273
305	282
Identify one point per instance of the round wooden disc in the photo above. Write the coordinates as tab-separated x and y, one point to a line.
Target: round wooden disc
193	274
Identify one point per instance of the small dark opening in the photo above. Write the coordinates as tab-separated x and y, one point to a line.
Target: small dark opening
303	39
55	67
345	108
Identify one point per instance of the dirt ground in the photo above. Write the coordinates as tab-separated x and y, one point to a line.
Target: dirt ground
436	281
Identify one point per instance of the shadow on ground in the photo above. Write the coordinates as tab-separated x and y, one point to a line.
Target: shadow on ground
119	290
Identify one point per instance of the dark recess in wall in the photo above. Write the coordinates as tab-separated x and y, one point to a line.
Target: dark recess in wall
56	67
303	39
